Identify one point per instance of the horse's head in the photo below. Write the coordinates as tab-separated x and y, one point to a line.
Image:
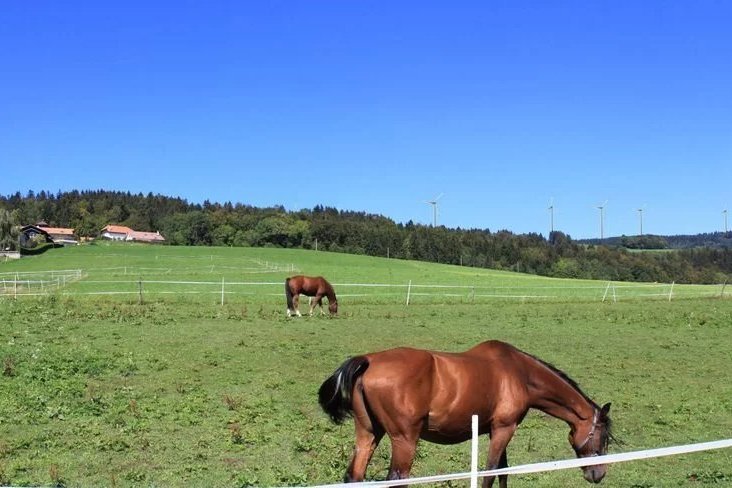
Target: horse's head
591	438
333	307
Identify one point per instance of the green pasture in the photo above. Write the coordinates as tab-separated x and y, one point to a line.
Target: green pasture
256	275
179	390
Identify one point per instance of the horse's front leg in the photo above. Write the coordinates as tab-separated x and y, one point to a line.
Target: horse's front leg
500	436
315	302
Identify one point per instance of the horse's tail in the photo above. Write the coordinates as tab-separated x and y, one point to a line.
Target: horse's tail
288	294
336	393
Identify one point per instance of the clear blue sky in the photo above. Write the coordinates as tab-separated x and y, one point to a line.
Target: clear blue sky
378	106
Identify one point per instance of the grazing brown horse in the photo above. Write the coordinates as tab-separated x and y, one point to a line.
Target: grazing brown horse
411	394
311	286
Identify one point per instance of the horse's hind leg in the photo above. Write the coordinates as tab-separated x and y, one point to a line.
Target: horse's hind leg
368	435
403	450
366	442
296	304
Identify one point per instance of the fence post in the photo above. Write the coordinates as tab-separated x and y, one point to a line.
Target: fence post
671	291
139	284
721	293
222	291
606	290
474	454
409	290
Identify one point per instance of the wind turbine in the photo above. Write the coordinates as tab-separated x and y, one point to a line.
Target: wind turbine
551	213
602	219
433	202
640	216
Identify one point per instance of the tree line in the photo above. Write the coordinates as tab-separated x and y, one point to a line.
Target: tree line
648	241
330	229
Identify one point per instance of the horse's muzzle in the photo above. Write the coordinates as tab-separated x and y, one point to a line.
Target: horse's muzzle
595	474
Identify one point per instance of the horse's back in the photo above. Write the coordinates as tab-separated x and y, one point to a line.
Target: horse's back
402	365
405	366
496	351
308	285
444	388
505	361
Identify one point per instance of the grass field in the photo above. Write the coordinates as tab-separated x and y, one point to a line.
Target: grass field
100	390
249	275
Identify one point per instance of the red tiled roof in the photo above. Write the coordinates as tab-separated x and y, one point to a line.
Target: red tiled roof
145	236
58	230
117	229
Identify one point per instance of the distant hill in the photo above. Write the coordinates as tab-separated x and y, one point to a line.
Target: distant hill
713	240
695	259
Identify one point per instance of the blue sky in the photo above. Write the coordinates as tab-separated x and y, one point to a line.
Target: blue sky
380	106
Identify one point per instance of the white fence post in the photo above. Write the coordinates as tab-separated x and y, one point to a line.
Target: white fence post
671	291
409	290
222	291
604	295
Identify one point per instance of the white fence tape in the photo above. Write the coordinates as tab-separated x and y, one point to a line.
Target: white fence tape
540	467
547	466
15	286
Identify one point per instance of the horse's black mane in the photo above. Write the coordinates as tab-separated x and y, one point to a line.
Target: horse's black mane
566	378
573	384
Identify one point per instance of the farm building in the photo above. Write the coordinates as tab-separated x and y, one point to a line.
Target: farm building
61	235
152	237
122	233
116	232
30	234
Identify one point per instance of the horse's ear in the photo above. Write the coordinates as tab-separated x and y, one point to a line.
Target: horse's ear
605	409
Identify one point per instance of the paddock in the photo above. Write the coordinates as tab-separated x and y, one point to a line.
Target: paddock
180	389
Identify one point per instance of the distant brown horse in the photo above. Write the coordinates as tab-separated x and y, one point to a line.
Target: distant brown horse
317	287
411	394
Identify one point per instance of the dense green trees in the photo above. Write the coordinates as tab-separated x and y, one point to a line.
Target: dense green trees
331	229
9	225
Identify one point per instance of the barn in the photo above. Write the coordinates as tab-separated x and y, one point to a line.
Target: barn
32	235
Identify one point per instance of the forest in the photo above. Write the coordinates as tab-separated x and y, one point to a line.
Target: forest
330	229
